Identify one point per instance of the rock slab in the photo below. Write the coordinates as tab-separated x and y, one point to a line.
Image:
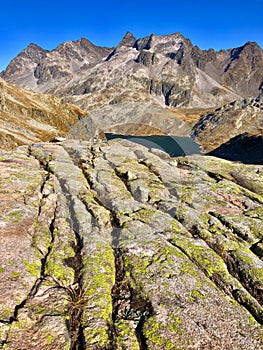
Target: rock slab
110	246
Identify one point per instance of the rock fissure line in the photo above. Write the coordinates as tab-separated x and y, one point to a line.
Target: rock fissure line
215	176
143	309
252	309
247	184
242	296
43	161
191	276
50	247
74	292
77	339
128	305
238	272
34	289
256	249
230	227
151	169
234	268
122	177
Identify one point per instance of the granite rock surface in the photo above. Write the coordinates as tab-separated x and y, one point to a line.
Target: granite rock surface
115	246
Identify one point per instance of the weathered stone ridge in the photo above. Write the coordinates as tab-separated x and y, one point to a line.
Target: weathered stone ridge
114	246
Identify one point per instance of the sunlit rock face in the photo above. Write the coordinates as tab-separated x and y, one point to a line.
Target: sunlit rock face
113	245
219	126
166	69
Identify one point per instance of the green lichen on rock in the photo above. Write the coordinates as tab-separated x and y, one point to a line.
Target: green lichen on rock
144	215
151	332
125	336
99	273
33	268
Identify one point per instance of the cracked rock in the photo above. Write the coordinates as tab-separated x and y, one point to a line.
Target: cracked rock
120	248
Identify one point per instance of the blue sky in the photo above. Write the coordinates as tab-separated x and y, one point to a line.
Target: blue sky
217	24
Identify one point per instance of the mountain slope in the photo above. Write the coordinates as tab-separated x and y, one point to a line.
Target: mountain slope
40	70
167	69
26	117
219	126
240	69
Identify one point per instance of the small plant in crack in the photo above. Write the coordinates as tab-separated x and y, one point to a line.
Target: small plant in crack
76	296
134	315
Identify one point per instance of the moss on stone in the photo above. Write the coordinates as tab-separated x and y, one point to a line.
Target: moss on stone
152	332
206	258
99	273
15	274
144	215
126	337
195	295
33	268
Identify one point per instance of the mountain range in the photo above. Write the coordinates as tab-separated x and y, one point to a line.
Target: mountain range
167	69
152	85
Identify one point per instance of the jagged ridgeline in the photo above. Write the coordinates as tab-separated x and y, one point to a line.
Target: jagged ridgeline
166	68
164	76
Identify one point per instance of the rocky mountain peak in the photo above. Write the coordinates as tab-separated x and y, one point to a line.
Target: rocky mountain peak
249	49
34	52
252	45
160	43
83	46
33	46
128	40
24	62
85	42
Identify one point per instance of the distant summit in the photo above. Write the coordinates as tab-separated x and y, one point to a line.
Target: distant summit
127	40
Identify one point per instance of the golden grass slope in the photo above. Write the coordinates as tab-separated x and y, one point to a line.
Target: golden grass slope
26	117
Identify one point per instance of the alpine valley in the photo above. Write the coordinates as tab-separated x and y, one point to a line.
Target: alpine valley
109	244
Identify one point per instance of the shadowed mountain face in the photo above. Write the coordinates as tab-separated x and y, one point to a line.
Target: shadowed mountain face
165	69
26	117
245	148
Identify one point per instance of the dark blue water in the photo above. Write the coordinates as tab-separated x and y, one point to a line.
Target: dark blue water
175	146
